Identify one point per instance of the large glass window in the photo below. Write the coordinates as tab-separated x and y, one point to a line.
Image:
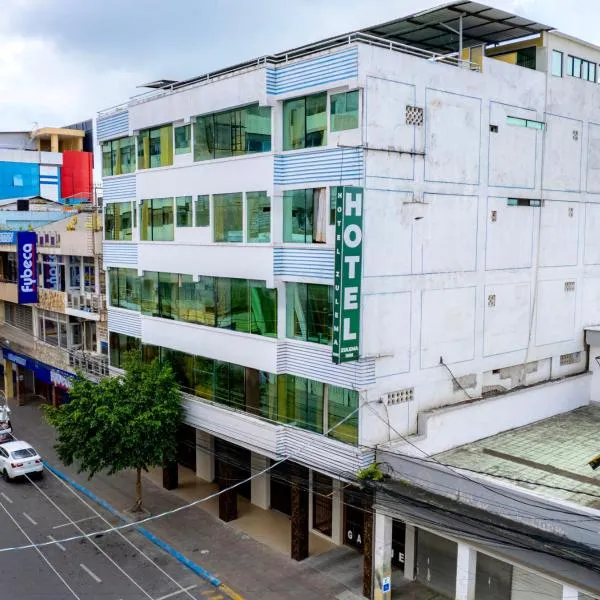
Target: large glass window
233	132
120	344
124	285
259	217
118	157
228	217
202	211
157	220
155	147
263	309
340	404
309	309
283	398
305	216
344	111
52	328
118	221
183	139
8	267
184	211
305	122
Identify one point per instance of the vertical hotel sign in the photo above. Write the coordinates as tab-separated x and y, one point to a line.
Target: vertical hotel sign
348	273
27	267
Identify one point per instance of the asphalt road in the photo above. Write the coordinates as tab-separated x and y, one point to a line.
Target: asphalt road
118	565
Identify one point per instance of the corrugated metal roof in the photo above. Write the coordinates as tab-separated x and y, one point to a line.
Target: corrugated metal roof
481	25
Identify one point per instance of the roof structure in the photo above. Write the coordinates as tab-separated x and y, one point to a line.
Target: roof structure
437	29
549	457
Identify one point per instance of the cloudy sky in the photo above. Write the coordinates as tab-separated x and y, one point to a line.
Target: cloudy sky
63	60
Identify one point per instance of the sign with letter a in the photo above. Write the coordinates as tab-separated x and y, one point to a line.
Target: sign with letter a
27	267
348	273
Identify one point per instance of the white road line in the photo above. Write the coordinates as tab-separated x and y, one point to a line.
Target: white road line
73	522
120	533
30	519
57	543
176	592
6	497
66	516
91	573
40	552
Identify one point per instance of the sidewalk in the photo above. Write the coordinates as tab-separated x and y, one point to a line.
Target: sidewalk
249	568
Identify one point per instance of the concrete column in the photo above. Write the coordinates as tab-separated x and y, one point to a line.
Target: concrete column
382	557
20	386
205	456
171	476
54	142
337	513
260	490
300	523
9	390
228	500
570	593
466	564
410	549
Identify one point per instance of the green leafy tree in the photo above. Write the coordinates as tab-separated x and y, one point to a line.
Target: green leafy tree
124	422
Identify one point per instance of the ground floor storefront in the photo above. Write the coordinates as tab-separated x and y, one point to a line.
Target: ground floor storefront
332	524
26	378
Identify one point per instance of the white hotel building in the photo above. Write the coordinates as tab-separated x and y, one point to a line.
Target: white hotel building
477	180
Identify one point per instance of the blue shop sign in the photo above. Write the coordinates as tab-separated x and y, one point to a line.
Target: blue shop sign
43	372
8	237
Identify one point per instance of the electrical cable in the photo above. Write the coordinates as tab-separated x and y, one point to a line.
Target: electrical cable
183	507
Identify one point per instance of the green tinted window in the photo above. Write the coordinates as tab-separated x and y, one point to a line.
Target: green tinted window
157	222
232	133
340	404
183	139
184	211
228	217
118	157
309	310
124	286
155	147
259	217
305	122
202	211
344	111
118	221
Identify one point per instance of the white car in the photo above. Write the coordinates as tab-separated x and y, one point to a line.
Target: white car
18	459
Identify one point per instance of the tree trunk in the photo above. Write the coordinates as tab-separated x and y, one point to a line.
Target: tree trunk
137	507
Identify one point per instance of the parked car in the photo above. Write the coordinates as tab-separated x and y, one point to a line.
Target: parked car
5	424
18	459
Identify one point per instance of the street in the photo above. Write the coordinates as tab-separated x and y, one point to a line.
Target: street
119	565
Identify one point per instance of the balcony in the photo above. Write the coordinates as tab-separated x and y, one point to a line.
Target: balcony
85	305
92	364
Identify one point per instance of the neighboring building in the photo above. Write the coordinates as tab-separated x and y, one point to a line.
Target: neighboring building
466	168
59	326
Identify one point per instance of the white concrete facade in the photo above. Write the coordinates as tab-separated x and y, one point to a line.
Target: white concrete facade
453	271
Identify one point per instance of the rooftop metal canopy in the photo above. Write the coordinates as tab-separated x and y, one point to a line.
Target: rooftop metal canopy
439	29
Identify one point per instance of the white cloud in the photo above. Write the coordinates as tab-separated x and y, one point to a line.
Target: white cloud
39	83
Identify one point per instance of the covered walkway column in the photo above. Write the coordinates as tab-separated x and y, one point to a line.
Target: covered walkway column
260	491
409	552
382	557
300	523
9	390
205	456
228	500
466	564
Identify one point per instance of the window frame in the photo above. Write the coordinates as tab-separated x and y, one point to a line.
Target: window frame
164	134
331	114
187	149
560	55
288	140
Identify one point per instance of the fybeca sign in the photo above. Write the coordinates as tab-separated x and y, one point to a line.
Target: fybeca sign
348	273
27	267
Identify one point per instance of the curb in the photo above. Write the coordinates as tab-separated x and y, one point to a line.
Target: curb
197	569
